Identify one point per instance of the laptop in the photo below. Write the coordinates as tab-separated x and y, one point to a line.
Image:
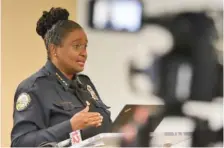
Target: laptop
130	111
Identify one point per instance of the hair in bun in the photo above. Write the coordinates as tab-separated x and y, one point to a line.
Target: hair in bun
48	19
54	25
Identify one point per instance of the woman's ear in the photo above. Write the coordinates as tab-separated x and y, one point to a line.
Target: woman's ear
53	50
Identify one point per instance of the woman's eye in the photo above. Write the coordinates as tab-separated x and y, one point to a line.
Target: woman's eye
80	46
76	46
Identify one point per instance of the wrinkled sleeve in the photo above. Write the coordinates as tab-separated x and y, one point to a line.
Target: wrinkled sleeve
29	127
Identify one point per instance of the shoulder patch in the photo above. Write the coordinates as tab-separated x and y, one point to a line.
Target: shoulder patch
23	101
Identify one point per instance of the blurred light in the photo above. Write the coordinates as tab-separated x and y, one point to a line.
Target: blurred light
184	77
161	7
112	15
119	18
207	111
156	39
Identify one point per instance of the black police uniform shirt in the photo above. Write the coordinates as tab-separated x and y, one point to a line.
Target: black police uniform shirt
45	102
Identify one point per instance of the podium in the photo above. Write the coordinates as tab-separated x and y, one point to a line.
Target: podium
101	140
114	139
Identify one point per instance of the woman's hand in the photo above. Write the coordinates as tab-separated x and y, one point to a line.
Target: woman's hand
85	119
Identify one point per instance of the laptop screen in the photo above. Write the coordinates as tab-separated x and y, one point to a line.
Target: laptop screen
137	114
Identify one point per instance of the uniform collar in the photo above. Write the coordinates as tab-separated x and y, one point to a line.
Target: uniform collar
65	82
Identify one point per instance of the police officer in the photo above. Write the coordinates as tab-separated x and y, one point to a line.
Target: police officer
57	100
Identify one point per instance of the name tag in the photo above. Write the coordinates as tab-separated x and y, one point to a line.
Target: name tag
75	137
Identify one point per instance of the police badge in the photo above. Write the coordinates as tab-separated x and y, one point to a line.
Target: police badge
92	92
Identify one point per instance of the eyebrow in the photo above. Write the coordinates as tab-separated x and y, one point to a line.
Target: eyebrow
78	40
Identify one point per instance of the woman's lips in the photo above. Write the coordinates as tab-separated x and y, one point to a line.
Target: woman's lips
81	63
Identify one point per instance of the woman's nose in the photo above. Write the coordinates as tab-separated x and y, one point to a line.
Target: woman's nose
83	53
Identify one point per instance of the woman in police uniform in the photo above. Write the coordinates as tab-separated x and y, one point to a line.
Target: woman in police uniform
57	100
